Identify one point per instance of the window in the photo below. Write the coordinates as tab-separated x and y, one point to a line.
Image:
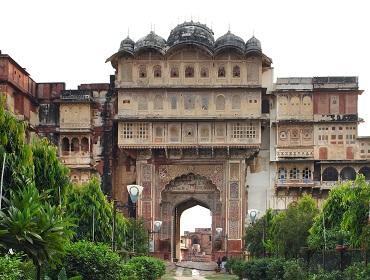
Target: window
65	146
142	131
158	102
221	72
75	145
159	131
126	101
306	173
243	130
173	102
174	134
294	173
235	102
142	71
220	102
236	71
174	72
204	101
204	133
84	144
189	131
282	173
189	72
128	132
204	72
157	71
283	135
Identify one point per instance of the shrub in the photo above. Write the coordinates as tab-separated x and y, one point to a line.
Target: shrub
10	268
275	269
144	268
293	271
236	266
325	275
357	271
92	261
258	269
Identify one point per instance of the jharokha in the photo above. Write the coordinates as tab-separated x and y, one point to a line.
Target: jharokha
198	121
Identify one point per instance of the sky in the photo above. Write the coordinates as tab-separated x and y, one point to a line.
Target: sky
69	40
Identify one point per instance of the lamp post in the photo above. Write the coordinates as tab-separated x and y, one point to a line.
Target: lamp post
134	192
157	228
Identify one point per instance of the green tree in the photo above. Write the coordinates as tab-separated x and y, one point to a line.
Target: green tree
33	226
136	238
290	228
344	215
257	236
51	175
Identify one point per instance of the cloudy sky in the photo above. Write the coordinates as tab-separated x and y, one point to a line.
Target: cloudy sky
69	40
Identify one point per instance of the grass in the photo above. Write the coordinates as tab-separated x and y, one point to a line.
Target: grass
186	272
221	276
170	275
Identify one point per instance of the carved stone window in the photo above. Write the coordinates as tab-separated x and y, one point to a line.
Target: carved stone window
204	133
306	173
204	73
65	146
142	103
220	102
236	71
84	144
189	102
128	130
188	131
173	102
75	145
142	130
204	101
243	131
235	102
174	72
221	72
220	131
307	133
159	131
157	71
142	71
189	72
282	174
294	173
158	102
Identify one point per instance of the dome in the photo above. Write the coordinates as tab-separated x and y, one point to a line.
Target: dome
191	32
230	40
151	40
253	45
127	45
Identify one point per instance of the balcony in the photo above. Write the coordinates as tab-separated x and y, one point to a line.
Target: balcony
294	153
77	160
295	183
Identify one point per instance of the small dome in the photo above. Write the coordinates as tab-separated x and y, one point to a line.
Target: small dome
151	40
230	40
127	45
253	45
191	32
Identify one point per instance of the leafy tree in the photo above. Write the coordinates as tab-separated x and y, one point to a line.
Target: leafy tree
290	228
344	215
32	226
257	236
50	174
136	237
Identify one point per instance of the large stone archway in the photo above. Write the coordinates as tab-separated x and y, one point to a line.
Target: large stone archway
183	193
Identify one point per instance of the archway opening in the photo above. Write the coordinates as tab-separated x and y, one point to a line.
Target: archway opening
196	234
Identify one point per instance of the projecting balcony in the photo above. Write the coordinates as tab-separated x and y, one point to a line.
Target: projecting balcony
75	161
294	183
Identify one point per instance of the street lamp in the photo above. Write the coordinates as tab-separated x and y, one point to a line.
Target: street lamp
253	215
134	192
157	228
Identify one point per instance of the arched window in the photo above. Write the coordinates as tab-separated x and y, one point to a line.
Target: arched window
84	144
158	102
348	173
174	72
306	174
365	171
157	71
282	173
236	71
142	71
189	72
235	102
65	146
220	102
294	173
75	145
330	174
221	72
204	73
